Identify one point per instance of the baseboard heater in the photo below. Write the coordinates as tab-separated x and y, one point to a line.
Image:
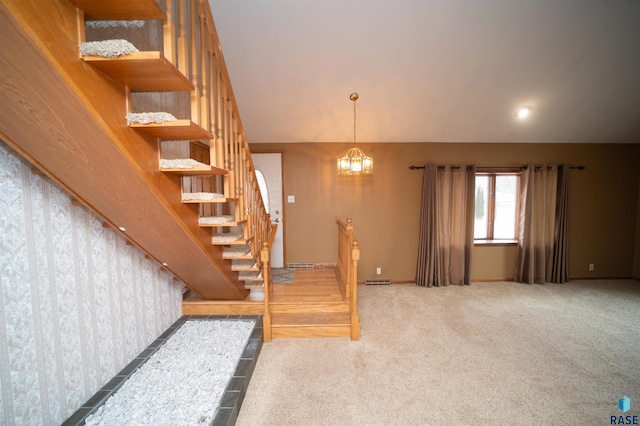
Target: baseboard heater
377	282
300	265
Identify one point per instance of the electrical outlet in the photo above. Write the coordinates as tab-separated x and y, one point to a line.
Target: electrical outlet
591	267
378	271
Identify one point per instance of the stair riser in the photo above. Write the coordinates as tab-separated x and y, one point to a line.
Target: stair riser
295	308
221	308
310	331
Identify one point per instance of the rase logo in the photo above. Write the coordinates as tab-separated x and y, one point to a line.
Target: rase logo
624	405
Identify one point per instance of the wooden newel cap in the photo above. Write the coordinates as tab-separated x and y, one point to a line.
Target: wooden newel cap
265	245
355	244
349	221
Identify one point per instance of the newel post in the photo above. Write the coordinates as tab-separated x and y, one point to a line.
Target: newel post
266	276
348	236
355	319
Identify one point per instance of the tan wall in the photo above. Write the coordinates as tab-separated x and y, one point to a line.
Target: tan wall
385	207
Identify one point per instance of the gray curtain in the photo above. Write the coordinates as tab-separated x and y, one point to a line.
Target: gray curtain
543	231
445	247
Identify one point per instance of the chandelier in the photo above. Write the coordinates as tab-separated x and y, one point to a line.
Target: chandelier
355	162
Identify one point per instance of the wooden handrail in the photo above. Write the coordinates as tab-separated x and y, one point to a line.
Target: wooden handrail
348	257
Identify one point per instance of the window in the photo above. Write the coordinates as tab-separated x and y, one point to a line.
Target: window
497	196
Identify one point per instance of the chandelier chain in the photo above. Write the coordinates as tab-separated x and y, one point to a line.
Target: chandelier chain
354	122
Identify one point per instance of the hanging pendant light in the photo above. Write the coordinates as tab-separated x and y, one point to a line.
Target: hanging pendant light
355	162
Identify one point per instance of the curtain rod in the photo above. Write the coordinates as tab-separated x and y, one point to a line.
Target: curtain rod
496	167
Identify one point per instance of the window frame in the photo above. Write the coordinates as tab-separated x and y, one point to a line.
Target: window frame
491	206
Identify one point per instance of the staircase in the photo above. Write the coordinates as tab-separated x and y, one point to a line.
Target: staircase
313	306
74	117
152	142
321	302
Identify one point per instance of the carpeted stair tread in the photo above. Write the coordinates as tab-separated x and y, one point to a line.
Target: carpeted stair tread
236	252
107	48
250	276
180	163
244	265
216	220
201	196
226	237
149	117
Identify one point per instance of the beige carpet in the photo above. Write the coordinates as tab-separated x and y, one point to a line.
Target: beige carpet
491	353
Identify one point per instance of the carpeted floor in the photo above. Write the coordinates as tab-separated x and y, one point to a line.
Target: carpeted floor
492	353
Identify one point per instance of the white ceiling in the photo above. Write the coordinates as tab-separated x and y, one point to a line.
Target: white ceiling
434	70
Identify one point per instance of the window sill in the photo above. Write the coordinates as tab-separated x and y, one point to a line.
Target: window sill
484	243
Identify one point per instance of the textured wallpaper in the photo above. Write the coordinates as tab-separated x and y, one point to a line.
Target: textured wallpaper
77	304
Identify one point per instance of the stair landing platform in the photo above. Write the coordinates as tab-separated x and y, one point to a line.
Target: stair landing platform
312	306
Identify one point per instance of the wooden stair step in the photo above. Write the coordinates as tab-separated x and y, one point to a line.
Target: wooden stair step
120	9
244	265
243	256
248	275
310	325
308	307
228	223
252	279
237	252
180	130
254	285
142	72
239	241
197	171
226	238
211	200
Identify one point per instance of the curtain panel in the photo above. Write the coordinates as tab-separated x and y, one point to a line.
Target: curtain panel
543	225
445	248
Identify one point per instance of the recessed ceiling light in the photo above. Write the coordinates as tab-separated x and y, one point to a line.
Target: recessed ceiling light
164	264
122	228
523	113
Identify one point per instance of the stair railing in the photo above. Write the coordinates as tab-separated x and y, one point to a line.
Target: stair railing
268	282
348	257
192	45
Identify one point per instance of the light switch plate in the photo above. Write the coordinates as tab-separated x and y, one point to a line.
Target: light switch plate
291	199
